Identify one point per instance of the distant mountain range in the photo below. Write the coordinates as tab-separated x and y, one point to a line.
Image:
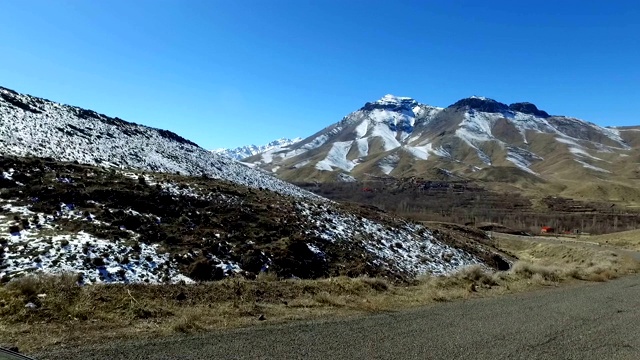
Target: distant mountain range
242	152
474	138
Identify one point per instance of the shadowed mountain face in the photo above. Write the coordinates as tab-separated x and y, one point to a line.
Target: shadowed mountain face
400	137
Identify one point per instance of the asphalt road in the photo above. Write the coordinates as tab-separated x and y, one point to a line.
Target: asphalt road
590	321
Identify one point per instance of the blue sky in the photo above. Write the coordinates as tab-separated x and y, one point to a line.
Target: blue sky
229	73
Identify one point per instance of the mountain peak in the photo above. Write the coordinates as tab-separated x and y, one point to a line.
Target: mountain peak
389	98
528	108
481	103
391	102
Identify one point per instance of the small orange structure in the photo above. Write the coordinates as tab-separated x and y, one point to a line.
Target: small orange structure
547	230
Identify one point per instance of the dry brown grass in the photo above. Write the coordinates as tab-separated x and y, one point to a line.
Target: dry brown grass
70	314
629	240
571	260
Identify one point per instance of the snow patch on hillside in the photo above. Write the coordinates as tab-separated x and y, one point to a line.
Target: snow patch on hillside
591	167
411	248
440	151
363	147
301	164
522	158
582	153
337	157
389	141
362	128
476	127
420	152
97	260
389	163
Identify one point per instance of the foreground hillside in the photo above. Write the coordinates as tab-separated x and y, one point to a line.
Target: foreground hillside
31	126
111	225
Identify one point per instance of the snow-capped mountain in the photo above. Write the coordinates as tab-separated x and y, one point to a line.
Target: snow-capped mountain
31	126
398	136
242	152
104	198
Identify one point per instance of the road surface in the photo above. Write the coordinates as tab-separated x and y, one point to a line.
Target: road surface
588	321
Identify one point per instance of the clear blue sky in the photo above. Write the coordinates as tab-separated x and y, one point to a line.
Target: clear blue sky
228	73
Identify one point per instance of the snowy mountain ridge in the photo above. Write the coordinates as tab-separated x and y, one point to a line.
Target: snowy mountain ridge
242	152
400	136
31	126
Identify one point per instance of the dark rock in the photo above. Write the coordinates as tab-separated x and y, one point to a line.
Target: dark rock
500	263
403	104
18	103
204	270
182	296
481	104
262	317
528	108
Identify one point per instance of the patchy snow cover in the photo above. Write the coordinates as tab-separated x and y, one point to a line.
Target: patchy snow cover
442	152
476	127
337	157
43	128
363	147
591	167
577	149
483	157
389	141
97	260
362	128
420	152
410	249
522	158
301	164
316	142
242	152
346	178
388	163
583	153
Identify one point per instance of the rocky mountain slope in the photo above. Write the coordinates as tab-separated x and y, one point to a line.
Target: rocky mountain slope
242	152
474	138
31	126
112	225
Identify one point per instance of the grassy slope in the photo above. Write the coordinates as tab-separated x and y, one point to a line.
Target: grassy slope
624	240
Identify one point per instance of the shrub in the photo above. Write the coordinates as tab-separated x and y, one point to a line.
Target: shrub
527	271
377	284
98	261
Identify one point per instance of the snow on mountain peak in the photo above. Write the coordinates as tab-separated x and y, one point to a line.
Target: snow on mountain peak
392	99
243	152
